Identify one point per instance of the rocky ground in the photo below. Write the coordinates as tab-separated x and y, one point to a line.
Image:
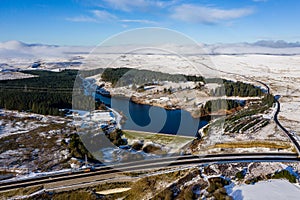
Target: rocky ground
215	181
32	142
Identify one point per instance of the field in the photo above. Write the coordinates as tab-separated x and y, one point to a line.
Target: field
173	142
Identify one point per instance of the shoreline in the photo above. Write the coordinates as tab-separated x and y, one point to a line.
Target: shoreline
205	117
135	100
163	134
118	117
142	102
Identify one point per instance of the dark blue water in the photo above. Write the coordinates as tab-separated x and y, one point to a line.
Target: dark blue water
154	119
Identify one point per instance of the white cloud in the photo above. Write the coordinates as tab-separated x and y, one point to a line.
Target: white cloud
208	15
126	5
129	5
98	16
142	21
103	15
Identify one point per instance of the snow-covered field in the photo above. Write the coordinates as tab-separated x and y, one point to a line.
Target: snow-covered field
271	189
281	73
266	64
275	63
266	188
32	141
24	122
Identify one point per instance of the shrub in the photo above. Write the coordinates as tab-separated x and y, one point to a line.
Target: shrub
286	175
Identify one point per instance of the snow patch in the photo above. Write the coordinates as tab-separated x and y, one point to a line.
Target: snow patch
271	189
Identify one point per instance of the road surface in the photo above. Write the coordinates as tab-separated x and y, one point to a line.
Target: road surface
186	160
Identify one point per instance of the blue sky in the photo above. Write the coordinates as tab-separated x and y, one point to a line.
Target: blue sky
88	22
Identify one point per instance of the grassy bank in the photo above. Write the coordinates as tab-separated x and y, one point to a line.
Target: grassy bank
172	141
251	144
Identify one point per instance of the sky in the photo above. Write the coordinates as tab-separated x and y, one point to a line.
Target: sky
89	22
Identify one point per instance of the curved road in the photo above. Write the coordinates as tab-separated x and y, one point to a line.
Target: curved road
289	135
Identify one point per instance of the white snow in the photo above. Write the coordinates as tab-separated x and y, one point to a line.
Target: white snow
263	61
271	189
34	175
102	116
17	49
27	196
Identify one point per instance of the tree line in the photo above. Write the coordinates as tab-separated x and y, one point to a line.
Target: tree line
231	88
51	91
44	94
217	105
126	76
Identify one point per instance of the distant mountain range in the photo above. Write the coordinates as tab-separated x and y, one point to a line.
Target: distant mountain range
279	47
14	44
17	49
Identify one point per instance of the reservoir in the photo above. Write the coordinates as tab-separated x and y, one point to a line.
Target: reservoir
154	119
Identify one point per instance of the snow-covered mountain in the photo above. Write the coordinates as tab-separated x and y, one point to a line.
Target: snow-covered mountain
259	47
16	54
17	49
13	49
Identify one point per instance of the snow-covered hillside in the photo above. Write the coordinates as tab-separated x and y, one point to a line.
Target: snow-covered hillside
275	63
17	49
271	189
13	49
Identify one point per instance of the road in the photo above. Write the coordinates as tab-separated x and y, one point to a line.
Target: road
290	136
176	161
187	160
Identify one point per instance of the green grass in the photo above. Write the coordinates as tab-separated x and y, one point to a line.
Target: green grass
285	174
251	144
154	184
164	139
